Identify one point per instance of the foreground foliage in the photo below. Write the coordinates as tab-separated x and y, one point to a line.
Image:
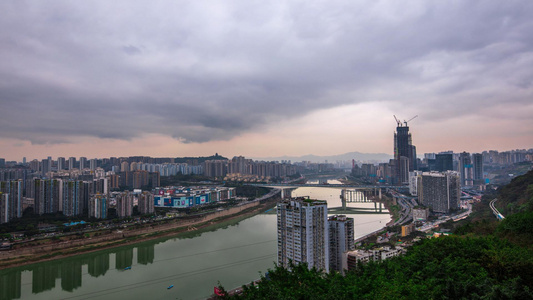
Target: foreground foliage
443	268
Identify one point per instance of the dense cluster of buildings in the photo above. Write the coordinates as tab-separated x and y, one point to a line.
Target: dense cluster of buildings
144	172
396	171
307	235
70	197
242	166
471	167
93	198
83	187
436	179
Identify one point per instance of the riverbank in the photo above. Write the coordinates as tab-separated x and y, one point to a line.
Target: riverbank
104	240
392	208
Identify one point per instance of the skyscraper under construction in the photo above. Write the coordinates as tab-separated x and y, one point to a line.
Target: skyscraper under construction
404	152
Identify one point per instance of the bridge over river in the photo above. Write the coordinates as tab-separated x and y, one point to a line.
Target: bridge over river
348	186
348	194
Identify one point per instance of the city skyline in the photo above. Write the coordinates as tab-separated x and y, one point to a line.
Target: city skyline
304	158
175	79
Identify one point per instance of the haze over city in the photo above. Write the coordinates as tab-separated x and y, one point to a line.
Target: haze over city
180	78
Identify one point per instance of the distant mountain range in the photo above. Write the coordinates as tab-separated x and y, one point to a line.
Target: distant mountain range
358	156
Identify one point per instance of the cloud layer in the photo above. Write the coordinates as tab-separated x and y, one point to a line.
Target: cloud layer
202	71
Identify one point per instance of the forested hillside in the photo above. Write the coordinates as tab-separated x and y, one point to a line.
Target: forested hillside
517	196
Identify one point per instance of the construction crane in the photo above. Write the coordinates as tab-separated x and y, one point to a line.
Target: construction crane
397	121
405	122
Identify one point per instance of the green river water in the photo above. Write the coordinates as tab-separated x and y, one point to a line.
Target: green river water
232	252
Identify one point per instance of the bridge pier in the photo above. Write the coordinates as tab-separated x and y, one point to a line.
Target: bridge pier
362	196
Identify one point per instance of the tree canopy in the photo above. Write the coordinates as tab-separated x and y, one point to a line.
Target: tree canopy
443	268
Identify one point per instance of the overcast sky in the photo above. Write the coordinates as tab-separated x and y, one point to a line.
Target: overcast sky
255	78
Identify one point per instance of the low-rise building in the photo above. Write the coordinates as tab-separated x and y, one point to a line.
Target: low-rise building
182	197
420	213
364	256
407	229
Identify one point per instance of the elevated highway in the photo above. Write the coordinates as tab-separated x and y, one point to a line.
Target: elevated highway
495	210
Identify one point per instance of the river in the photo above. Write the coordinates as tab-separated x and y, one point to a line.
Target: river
233	252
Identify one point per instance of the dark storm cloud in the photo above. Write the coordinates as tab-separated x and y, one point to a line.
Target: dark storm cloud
201	71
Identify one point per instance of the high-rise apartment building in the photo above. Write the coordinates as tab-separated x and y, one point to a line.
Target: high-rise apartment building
11	200
83	163
444	162
4	208
71	197
71	163
146	203
34	165
215	168
47	196
93	163
413	182
341	240
46	166
98	206
239	164
440	192
124	205
303	235
477	159
60	164
124	166
466	169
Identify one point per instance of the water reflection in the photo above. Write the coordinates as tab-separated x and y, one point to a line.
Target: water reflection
124	258
145	254
70	275
10	284
98	264
70	270
44	278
